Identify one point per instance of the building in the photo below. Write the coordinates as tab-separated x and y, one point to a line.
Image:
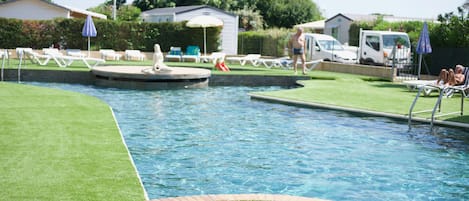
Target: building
338	26
229	32
41	10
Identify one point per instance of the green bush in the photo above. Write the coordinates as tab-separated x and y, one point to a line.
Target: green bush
111	34
270	42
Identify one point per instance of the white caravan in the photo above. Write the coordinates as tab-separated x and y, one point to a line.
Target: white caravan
376	48
327	48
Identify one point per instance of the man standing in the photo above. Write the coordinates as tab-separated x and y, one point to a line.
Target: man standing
298	43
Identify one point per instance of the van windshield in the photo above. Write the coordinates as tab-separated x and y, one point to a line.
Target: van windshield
330	44
390	40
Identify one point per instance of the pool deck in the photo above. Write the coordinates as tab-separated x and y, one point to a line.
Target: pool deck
240	197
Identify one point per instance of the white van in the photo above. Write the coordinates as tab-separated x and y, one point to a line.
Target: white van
376	47
327	48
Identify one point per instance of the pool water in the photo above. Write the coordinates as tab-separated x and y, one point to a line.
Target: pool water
218	141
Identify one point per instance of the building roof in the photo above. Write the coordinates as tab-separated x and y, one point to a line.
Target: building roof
372	17
313	25
74	12
355	17
180	9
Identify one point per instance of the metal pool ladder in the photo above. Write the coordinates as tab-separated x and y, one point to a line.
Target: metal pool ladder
437	107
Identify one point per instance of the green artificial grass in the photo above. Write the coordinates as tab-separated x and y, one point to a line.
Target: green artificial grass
236	69
59	145
366	93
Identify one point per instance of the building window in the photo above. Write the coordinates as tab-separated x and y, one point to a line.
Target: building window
335	32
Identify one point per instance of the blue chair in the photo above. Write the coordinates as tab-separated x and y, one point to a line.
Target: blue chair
174	53
192	52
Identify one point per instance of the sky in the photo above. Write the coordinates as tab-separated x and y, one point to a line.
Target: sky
329	8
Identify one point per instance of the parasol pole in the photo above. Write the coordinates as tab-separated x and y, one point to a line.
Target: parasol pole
88	46
420	66
205	42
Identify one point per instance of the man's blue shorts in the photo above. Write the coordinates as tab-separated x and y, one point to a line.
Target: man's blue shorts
298	51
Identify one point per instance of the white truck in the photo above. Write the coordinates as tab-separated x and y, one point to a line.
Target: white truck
380	47
327	48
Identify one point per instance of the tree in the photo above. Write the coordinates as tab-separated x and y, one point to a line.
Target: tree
118	3
124	13
287	13
128	13
151	4
452	31
189	2
249	20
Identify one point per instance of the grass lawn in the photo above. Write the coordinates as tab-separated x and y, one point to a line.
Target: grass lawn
58	145
236	69
367	93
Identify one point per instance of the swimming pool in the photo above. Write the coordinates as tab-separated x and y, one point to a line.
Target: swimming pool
218	141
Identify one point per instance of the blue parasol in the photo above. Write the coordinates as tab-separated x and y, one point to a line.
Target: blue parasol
423	45
89	30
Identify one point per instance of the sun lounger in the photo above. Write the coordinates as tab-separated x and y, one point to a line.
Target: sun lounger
35	57
134	54
444	91
192	53
107	54
251	58
275	62
5	53
174	53
64	61
214	57
310	65
86	60
417	84
75	53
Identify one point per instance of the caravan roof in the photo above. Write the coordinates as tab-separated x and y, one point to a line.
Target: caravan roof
385	32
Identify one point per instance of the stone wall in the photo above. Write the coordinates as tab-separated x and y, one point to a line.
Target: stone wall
376	71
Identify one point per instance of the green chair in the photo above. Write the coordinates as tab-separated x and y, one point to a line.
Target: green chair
192	52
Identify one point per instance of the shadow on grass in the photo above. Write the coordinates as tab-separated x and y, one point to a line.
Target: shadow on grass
314	77
391	85
461	119
375	79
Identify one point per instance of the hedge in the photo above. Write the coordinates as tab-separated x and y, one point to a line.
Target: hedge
119	36
271	42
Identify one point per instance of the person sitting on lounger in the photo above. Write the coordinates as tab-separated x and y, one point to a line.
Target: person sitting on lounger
451	77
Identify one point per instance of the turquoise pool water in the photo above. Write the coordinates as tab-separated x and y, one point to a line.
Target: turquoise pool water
218	141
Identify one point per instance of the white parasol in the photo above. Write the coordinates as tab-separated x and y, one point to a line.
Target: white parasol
204	21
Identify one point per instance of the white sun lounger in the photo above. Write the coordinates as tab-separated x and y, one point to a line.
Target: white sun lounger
75	53
35	57
275	62
417	84
109	54
251	58
214	57
444	91
134	54
64	61
310	65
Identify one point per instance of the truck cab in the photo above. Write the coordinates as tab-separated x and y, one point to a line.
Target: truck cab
380	47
